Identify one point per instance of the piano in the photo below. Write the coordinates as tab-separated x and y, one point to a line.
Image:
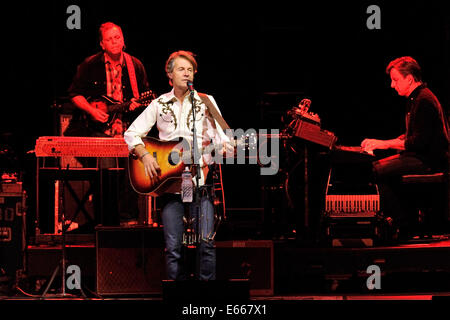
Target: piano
344	196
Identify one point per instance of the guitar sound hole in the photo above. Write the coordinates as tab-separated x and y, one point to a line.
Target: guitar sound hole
174	158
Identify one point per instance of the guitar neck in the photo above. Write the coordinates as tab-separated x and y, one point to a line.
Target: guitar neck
202	151
215	147
113	106
119	107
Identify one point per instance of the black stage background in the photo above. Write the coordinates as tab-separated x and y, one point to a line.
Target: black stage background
257	59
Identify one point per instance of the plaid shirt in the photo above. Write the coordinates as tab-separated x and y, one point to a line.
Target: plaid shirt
114	78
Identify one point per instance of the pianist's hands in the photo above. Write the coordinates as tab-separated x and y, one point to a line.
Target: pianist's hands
374	144
369	145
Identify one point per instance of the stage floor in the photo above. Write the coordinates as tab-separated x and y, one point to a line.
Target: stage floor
274	307
276	270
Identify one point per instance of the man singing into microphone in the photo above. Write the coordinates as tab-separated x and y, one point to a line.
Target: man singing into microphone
174	117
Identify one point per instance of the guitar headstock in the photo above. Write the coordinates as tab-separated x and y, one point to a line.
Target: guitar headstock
247	141
146	97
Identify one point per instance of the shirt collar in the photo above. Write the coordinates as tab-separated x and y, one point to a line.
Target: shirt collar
170	96
107	60
416	91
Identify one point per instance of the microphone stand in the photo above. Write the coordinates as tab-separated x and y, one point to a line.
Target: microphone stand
195	155
194	219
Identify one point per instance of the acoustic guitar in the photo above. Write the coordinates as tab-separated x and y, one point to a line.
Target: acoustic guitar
172	158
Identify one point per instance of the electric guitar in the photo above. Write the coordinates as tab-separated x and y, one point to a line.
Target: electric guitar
114	108
172	158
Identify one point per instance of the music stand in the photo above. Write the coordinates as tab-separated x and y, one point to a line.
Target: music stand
63	262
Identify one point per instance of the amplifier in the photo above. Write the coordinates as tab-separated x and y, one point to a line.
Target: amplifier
11	188
313	133
130	261
249	259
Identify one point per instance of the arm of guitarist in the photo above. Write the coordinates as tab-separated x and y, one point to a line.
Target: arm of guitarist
96	114
151	167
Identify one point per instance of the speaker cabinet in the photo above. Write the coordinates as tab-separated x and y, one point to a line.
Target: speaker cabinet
249	259
12	230
130	260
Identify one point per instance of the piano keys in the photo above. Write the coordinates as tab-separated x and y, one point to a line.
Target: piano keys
351	193
352	205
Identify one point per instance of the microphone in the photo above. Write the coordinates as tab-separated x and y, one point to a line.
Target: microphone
190	86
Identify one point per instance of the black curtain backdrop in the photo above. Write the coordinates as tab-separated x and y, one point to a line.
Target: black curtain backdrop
258	60
313	49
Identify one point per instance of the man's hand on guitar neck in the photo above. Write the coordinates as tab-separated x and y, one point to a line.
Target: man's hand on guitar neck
134	104
151	167
228	150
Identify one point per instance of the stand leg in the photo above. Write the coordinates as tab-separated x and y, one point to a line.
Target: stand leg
63	294
63	260
188	243
51	280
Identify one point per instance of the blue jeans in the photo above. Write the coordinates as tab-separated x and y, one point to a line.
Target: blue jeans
173	225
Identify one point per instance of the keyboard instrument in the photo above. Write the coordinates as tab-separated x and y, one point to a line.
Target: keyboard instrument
61	146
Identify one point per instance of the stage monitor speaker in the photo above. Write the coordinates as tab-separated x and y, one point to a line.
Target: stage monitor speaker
130	260
249	259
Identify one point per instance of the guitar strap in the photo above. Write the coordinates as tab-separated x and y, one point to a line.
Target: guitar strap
132	75
218	193
213	110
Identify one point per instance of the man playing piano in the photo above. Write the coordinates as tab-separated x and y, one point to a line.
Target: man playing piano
423	148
